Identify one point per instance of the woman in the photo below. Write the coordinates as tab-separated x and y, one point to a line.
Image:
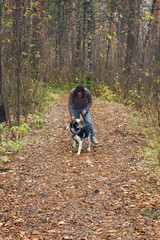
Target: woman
79	102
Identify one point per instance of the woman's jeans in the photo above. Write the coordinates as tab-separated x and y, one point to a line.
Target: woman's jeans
86	118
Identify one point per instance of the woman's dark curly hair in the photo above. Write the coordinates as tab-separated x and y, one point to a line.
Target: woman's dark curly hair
79	89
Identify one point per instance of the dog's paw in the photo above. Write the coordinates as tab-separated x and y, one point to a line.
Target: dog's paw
78	153
89	150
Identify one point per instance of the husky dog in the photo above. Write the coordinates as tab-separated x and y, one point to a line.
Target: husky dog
79	134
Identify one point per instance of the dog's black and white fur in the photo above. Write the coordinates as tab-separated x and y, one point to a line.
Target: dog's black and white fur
79	134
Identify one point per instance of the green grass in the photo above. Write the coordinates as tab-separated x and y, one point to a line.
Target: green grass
59	90
148	213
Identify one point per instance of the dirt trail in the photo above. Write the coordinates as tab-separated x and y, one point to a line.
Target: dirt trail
51	193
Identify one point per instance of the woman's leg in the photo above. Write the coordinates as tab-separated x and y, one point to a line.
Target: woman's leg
88	122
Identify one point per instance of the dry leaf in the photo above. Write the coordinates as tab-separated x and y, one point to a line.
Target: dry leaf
19	221
35	233
61	223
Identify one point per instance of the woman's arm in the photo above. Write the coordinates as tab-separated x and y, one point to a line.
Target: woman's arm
89	97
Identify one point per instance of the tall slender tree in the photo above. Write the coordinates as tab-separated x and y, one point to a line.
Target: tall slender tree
148	32
108	36
18	52
78	33
156	26
89	40
130	48
2	109
84	35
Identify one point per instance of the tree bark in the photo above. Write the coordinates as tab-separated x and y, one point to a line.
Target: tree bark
89	41
18	53
108	39
130	49
78	34
2	108
84	35
148	33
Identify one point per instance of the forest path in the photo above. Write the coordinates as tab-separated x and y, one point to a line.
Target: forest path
51	193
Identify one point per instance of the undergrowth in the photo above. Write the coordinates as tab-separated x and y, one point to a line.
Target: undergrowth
151	134
12	134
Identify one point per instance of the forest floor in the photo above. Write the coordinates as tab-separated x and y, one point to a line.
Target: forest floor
49	192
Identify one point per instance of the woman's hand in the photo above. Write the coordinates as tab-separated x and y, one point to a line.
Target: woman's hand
73	118
84	112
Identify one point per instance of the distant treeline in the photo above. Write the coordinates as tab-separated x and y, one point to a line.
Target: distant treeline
46	42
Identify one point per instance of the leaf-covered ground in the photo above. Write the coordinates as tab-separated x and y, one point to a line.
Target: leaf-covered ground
50	193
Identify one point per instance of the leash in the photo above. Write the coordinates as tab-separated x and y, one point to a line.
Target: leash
72	138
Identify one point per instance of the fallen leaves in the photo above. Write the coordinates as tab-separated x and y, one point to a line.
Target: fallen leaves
35	233
53	194
19	221
140	230
61	223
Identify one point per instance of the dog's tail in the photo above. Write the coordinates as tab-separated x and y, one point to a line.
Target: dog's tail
81	122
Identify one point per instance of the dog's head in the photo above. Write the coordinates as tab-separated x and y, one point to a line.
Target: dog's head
74	127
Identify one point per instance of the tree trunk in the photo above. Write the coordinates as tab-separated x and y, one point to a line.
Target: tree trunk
148	33
84	35
89	41
73	35
130	49
2	109
36	38
78	34
108	38
18	53
156	17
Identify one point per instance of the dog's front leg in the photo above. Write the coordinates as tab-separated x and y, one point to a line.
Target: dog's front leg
79	148
74	143
89	143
